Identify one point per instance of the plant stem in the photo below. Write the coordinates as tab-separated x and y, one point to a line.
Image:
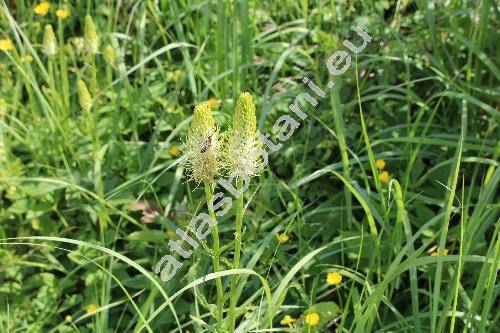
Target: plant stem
215	234
236	261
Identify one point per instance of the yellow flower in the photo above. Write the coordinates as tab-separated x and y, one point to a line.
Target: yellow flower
170	233
6	44
35	224
287	320
91	308
69	319
312	319
212	102
436	253
42	8
380	164
282	238
174	150
384	177
28	58
334	278
62	13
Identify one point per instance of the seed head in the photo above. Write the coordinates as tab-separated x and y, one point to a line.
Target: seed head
49	41
241	138
91	39
84	97
202	145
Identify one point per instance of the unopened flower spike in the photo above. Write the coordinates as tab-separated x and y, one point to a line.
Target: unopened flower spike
49	41
202	145
84	97
109	54
242	138
90	37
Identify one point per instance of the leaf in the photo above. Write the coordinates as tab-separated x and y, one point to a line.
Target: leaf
155	236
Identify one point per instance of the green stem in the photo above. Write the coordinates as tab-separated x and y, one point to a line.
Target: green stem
236	261
215	234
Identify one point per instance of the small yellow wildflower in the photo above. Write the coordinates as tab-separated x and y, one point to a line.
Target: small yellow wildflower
170	233
312	319
42	8
91	308
212	102
62	13
384	177
28	58
334	278
436	253
174	150
287	320
6	44
282	238
380	164
35	224
69	319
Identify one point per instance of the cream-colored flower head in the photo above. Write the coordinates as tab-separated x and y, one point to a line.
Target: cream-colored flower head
90	37
242	138
49	41
202	147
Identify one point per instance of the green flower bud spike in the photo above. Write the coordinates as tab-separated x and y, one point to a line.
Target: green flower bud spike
109	54
49	41
84	97
90	37
202	146
242	138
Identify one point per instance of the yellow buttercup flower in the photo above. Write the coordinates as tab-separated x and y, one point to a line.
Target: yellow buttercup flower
287	320
334	278
312	319
42	8
35	224
6	44
91	308
380	164
28	58
436	253
282	238
174	150
212	102
69	319
62	13
384	177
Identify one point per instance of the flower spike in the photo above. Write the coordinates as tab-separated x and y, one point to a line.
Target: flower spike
242	138
202	145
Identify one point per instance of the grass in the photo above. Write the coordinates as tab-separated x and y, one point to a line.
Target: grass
89	197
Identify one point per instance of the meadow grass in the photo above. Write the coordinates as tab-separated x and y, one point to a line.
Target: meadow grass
93	180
